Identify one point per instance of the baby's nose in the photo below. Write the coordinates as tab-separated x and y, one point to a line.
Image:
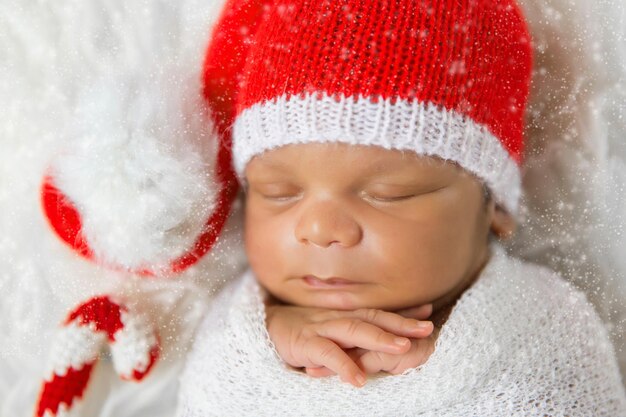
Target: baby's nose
325	222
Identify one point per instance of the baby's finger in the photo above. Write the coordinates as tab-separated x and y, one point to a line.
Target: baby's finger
349	333
420	312
373	362
394	323
323	371
319	372
388	321
321	351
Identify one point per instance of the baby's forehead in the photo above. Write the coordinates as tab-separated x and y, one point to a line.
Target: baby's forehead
359	160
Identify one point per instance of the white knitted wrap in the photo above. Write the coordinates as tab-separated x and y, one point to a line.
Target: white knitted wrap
520	342
404	125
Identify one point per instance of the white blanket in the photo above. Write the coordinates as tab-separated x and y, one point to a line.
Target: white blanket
520	342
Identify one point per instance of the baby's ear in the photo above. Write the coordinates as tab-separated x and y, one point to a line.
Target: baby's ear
502	223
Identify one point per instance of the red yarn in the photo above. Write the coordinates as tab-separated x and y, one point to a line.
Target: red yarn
102	313
63	389
470	56
225	58
63	217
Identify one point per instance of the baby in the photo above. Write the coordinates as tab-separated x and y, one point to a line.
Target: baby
379	145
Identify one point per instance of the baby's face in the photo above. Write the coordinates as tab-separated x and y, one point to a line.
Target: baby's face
349	226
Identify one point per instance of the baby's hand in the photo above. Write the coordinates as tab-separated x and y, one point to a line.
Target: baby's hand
307	337
373	362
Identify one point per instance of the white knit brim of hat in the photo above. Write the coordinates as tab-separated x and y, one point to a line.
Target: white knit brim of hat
424	128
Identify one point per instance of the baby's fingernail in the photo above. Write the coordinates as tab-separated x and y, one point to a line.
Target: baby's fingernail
360	379
420	325
401	341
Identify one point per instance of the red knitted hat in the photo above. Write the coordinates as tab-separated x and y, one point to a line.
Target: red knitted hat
448	78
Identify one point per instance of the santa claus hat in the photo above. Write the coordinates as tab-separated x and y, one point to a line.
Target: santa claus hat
446	78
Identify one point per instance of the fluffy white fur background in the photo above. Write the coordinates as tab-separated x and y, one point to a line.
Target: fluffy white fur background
78	80
575	169
53	55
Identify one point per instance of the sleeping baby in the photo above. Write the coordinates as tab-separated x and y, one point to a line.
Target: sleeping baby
379	144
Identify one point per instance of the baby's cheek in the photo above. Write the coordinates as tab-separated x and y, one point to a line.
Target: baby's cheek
418	253
266	239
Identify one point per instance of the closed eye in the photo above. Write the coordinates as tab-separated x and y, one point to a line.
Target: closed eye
396	197
279	197
391	199
275	191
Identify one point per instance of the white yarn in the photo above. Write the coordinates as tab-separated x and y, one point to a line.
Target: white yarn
403	124
133	343
74	346
520	342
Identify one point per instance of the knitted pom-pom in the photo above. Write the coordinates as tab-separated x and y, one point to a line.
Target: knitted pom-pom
139	171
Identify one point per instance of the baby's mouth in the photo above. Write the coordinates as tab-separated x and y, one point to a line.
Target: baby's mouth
331	282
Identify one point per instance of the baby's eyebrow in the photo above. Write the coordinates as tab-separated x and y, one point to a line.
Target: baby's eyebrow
374	169
385	168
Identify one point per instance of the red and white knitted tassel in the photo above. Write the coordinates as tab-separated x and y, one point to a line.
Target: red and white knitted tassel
134	347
